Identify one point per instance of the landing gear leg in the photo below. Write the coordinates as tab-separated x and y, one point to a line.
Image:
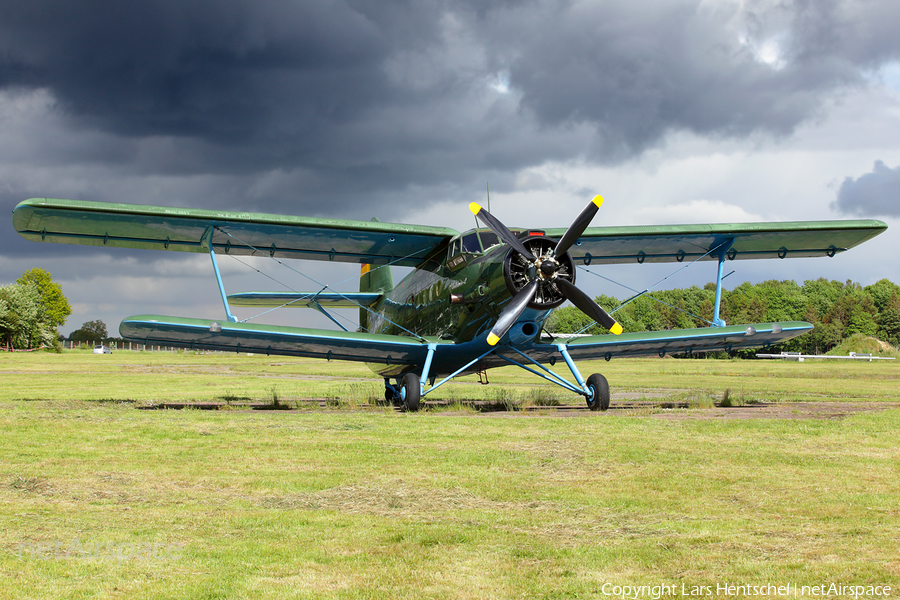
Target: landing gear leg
410	392
599	388
390	392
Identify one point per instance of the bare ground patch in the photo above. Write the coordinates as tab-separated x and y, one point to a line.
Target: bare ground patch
783	410
661	409
682	411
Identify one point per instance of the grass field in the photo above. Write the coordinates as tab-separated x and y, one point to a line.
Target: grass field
101	500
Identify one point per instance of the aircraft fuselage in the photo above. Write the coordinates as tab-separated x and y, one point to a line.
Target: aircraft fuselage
457	297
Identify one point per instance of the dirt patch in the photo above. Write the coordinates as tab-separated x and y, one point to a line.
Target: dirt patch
681	411
783	410
623	405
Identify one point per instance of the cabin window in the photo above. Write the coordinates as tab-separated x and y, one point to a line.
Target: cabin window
454	258
471	244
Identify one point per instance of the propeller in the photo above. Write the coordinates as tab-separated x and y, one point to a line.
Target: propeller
494	224
549	272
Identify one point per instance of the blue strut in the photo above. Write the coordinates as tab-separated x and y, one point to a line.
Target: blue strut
207	241
723	250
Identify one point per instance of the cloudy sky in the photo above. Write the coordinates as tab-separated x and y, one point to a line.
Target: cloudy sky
680	111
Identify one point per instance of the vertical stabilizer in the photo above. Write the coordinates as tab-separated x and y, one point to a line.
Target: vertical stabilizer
377	279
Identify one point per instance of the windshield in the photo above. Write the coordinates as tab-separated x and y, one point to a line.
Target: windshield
489	239
474	242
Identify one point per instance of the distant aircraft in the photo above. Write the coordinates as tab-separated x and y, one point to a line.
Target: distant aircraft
474	301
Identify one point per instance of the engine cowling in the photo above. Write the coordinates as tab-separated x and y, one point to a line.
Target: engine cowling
518	271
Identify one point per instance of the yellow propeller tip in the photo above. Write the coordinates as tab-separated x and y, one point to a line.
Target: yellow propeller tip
474	207
493	339
598	200
616	329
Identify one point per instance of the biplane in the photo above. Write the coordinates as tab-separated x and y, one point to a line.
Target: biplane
472	301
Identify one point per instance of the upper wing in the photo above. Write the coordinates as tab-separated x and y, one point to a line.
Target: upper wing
676	243
185	230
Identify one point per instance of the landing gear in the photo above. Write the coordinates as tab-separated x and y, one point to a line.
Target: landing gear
410	391
406	394
599	388
391	392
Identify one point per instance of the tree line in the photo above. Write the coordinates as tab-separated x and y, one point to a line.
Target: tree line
34	307
836	310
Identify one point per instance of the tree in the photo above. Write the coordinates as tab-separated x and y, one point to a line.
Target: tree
90	332
884	293
22	320
54	305
889	326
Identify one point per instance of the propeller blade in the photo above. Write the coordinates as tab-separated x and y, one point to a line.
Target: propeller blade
512	311
501	230
586	305
578	226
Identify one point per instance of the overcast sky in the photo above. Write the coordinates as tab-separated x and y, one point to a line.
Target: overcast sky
676	112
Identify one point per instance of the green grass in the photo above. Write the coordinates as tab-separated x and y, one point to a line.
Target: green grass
344	503
153	377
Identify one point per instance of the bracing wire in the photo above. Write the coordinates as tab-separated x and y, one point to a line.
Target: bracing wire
646	292
323	286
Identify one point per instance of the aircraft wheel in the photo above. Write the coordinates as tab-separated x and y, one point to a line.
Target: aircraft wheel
599	388
410	391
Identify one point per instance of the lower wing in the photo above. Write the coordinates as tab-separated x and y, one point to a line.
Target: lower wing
202	334
680	341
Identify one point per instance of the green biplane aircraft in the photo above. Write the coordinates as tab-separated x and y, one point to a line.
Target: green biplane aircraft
474	301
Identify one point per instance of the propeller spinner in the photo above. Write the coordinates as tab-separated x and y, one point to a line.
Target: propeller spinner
549	274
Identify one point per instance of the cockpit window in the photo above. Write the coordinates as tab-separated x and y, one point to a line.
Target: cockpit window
470	243
488	239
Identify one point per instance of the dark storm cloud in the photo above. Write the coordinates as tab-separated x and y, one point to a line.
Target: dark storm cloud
215	70
871	195
330	105
636	73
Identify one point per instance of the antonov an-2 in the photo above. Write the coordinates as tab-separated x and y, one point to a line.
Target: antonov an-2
473	301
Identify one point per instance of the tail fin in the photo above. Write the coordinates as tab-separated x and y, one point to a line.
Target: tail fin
374	279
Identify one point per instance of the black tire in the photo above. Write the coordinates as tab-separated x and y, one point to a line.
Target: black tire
599	387
410	391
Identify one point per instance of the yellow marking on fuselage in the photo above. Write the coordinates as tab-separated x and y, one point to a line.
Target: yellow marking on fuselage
365	269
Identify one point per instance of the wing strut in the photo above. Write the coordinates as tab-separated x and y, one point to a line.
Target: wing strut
722	252
328	314
206	242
